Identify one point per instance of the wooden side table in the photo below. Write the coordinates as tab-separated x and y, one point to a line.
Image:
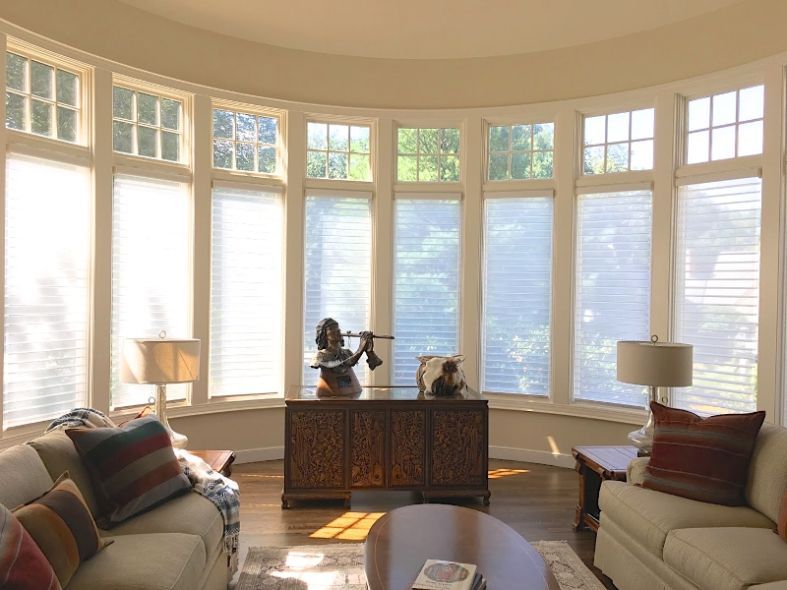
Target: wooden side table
219	461
595	465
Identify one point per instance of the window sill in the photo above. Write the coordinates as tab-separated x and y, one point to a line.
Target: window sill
606	412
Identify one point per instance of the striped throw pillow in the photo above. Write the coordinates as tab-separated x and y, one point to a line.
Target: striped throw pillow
61	525
704	459
22	564
133	467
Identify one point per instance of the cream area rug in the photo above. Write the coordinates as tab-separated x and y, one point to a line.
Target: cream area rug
339	566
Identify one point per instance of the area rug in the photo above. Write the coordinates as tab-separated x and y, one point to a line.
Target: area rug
339	566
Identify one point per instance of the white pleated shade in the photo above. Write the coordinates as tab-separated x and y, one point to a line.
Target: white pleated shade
665	364
160	360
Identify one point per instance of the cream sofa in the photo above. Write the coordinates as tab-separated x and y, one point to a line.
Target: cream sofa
649	540
175	546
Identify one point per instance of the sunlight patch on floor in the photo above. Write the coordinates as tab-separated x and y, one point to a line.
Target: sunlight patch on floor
350	526
299	563
501	473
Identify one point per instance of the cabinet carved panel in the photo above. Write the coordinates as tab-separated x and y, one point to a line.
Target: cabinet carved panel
367	449
384	438
408	438
317	449
458	447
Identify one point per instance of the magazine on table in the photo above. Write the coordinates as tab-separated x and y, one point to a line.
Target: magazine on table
440	574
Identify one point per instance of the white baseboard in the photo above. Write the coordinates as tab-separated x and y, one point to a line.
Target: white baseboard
531	456
259	454
495	452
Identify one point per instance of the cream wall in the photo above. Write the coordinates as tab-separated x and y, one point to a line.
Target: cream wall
737	34
130	37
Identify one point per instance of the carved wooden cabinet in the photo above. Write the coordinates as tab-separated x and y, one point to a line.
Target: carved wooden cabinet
385	438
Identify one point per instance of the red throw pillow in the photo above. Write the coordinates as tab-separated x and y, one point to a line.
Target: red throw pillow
23	565
704	459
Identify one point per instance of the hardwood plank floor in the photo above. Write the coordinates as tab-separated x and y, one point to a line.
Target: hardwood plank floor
537	501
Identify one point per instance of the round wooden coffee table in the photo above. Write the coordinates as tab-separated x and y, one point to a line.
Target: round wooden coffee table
400	542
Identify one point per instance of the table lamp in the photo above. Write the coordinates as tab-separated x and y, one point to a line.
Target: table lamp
655	364
160	361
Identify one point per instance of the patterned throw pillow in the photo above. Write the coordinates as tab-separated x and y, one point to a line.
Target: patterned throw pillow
133	467
61	525
704	459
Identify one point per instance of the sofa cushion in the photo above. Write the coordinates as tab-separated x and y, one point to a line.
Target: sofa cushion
768	471
704	459
191	513
648	515
62	526
133	467
727	558
59	455
24	476
781	524
167	561
780	585
23	565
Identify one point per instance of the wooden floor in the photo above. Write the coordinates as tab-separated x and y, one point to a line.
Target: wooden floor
537	501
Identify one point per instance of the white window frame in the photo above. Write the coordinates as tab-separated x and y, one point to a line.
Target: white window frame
683	136
258	111
487	150
349	122
607	113
185	145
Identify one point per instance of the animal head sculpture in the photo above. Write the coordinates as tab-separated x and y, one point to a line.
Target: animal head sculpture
441	375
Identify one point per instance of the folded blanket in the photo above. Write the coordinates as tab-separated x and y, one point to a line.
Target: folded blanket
220	490
80	417
224	494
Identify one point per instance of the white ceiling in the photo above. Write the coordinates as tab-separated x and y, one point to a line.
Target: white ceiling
424	29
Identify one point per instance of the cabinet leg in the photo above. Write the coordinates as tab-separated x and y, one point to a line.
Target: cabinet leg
487	497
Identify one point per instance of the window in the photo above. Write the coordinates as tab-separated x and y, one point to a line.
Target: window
41	98
618	142
338	151
151	272
725	125
245	141
426	281
47	289
337	267
427	155
520	151
612	297
146	124
246	289
717	293
517	294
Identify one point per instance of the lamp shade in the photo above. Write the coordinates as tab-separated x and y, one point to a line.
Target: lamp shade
160	360
660	364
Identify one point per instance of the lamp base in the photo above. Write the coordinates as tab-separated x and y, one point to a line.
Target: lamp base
643	438
179	441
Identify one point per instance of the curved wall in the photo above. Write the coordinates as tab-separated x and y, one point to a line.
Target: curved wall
133	38
735	35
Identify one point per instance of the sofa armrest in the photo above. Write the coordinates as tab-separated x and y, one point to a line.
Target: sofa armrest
635	472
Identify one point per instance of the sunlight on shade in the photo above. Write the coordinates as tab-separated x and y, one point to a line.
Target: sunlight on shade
350	526
553	446
500	473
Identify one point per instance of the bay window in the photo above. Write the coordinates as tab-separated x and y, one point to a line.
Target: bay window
516	353
246	290
426	280
612	290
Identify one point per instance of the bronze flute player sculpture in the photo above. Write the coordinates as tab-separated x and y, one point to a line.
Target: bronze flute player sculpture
336	362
